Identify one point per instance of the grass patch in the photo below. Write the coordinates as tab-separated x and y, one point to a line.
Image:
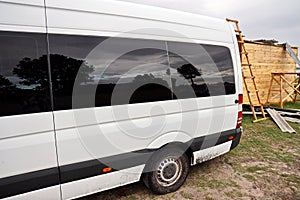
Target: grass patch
209	198
132	198
249	177
217	183
256	168
293	178
238	193
266	141
290	105
186	195
234	194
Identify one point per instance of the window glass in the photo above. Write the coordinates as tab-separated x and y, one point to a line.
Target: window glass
135	77
24	82
67	55
99	71
206	70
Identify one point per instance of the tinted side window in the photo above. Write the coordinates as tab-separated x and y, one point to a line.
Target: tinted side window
68	55
205	69
24	83
98	71
138	76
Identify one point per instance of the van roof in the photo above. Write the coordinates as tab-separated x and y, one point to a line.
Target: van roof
134	10
113	18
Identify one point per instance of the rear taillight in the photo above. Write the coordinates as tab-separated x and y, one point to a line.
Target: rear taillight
240	113
239	119
240	98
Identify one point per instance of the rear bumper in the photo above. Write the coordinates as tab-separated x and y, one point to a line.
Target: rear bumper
211	146
216	139
237	138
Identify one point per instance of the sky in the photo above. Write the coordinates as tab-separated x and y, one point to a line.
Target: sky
259	19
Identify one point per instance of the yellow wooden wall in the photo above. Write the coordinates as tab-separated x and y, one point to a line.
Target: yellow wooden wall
266	59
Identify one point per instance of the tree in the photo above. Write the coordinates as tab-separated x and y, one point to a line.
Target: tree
33	72
4	82
188	71
8	93
63	72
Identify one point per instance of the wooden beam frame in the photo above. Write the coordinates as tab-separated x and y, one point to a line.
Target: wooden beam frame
283	90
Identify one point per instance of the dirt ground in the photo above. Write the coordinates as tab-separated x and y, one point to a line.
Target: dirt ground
266	165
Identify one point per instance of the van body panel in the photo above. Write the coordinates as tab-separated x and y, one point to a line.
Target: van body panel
14	19
75	142
95	184
48	193
29	150
104	16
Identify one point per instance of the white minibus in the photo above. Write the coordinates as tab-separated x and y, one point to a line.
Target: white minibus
96	94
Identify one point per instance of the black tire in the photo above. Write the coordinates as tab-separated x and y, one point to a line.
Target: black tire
166	170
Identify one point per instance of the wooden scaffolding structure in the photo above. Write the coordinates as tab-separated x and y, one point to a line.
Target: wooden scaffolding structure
285	89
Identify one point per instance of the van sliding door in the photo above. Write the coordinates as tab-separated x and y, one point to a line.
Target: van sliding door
28	162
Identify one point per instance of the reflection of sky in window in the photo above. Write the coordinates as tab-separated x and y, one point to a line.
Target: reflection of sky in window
144	61
135	63
213	62
11	53
81	47
77	47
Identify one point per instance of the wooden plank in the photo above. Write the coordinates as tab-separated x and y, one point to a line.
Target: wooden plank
291	119
281	123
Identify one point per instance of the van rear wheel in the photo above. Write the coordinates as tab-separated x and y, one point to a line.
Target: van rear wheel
166	171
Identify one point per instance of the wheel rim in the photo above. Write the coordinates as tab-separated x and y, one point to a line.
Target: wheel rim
169	171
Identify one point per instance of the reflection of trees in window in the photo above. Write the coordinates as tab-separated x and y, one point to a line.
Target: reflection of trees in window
216	76
31	94
64	71
150	79
144	78
33	72
7	89
4	82
189	71
150	88
141	88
